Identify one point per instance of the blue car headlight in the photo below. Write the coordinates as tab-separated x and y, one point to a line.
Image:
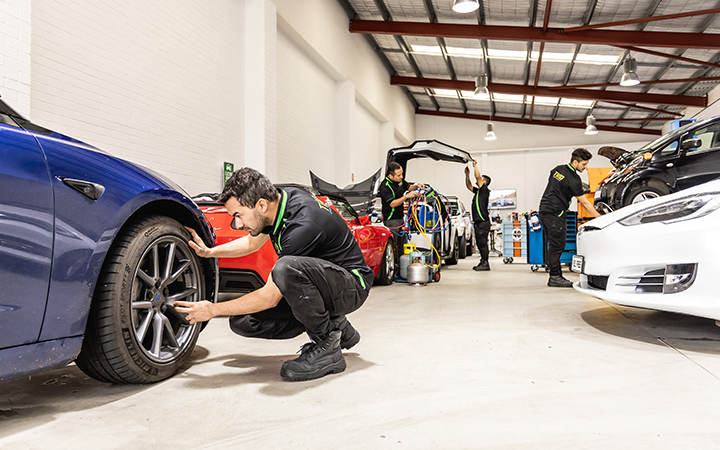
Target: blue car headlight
685	208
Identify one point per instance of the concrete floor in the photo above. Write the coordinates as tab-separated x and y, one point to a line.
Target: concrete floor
491	360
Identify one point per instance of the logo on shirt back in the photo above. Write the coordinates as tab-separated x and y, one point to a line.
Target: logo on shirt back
558	176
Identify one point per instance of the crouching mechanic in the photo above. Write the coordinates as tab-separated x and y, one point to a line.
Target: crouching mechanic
319	277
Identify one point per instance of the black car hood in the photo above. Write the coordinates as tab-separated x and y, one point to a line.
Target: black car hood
432	149
359	195
614	154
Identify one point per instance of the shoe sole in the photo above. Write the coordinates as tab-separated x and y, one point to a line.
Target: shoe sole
336	367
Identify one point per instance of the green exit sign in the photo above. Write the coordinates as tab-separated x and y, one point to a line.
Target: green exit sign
228	169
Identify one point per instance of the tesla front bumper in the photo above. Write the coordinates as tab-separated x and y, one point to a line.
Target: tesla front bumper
670	267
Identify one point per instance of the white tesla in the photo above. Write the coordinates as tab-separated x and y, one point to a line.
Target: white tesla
661	254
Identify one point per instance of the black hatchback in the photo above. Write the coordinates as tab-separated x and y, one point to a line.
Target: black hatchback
684	157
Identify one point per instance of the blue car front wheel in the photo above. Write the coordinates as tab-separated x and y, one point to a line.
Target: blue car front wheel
134	334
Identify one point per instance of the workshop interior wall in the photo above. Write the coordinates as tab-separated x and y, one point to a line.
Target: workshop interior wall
306	113
156	83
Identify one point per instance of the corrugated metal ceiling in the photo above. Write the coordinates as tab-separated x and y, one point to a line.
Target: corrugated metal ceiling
438	68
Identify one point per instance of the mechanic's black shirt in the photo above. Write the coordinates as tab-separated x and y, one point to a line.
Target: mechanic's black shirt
563	184
481	197
389	191
306	226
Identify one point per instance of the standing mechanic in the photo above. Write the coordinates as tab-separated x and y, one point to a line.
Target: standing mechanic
319	277
563	184
480	215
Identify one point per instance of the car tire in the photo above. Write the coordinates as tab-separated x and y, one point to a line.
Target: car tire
470	249
453	258
133	333
386	274
462	248
642	193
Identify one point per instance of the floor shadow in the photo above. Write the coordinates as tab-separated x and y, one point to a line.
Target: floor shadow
44	396
265	370
680	331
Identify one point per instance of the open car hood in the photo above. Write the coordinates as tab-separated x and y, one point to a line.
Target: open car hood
359	195
614	154
432	149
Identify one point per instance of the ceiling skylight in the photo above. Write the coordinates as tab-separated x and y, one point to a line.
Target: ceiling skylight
509	98
518	55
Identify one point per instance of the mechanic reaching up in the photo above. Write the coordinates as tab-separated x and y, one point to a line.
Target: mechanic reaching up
319	277
563	184
480	215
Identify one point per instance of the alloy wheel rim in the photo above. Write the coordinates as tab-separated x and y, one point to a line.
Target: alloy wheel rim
165	273
645	196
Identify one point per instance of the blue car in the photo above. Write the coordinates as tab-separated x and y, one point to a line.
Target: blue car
93	255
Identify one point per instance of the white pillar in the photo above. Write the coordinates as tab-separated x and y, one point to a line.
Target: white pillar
260	90
344	132
387	141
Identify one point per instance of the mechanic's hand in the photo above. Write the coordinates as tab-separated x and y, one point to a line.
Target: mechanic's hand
467	170
411	194
474	163
198	245
420	186
196	311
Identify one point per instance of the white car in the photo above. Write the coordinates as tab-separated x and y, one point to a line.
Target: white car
464	226
661	254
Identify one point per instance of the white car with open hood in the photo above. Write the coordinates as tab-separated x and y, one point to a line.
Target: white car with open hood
661	254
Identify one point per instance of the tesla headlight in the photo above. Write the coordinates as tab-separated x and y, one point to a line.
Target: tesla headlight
685	208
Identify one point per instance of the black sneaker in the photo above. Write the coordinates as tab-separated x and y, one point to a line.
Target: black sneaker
316	360
559	281
350	336
482	266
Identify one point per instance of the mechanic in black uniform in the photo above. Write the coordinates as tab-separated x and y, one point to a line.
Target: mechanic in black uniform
319	277
480	215
393	195
563	184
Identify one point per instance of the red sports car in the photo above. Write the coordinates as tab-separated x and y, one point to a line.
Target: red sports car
250	272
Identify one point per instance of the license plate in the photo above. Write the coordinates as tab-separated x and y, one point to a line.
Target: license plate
577	263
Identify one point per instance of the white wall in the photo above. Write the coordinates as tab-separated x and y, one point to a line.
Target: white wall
15	73
306	114
152	82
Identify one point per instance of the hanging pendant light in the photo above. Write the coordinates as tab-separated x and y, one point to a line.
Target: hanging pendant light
481	89
465	6
490	136
590	127
629	77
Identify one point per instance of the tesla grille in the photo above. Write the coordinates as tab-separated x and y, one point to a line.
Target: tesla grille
651	282
597	282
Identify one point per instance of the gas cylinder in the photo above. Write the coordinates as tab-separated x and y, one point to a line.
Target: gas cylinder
417	274
404	263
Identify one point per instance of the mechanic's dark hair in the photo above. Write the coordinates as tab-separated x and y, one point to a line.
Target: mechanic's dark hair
581	154
487	180
392	167
248	186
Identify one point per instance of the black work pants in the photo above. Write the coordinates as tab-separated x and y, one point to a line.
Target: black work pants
554	237
398	235
482	229
314	292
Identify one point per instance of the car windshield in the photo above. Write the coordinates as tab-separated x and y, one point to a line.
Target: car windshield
664	139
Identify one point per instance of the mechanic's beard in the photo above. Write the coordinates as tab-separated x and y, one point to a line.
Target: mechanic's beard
261	222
